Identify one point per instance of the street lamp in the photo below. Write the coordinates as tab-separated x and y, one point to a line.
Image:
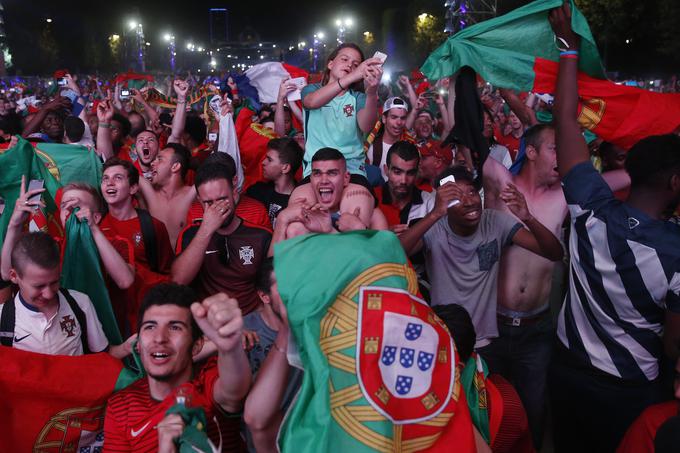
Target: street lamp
48	20
170	39
316	47
139	41
343	25
132	24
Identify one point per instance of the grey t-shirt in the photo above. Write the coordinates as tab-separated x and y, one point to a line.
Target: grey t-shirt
464	269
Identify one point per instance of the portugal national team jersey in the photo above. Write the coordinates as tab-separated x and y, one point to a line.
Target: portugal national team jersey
132	415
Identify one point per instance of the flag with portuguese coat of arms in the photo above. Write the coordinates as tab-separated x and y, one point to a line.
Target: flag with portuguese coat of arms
380	366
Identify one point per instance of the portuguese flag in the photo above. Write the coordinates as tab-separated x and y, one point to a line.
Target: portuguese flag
55	403
518	51
253	139
379	365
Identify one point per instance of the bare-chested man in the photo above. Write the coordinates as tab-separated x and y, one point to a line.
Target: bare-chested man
521	353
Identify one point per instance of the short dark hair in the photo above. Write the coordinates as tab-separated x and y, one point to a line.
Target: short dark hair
195	128
328	154
425	112
460	172
534	135
653	160
263	282
405	150
124	124
213	171
460	325
170	294
289	152
74	128
181	155
132	173
38	248
222	159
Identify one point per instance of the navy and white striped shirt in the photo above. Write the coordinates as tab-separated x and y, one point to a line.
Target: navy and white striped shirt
624	273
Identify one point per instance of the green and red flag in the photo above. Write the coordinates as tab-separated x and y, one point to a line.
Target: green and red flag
379	364
519	51
253	139
55	403
71	163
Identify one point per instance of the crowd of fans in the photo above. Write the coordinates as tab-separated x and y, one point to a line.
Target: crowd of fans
177	219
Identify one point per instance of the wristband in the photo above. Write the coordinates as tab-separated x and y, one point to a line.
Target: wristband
568	52
105	125
569	56
181	102
340	85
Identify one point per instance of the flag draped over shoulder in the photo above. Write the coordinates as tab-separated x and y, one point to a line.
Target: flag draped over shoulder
54	403
379	365
81	271
518	51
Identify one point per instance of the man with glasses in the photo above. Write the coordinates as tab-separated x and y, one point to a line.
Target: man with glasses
223	253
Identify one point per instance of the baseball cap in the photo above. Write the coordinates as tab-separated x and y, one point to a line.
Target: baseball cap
434	148
395	103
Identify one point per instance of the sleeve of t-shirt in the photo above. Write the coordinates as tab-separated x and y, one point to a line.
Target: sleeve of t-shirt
431	236
312	87
584	189
185	237
96	339
505	224
165	254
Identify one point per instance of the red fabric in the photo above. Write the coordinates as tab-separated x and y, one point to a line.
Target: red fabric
249	209
640	436
253	146
510	142
294	71
131	75
391	212
52	398
628	114
512	433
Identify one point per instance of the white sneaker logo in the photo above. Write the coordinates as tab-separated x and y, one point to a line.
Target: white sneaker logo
139	431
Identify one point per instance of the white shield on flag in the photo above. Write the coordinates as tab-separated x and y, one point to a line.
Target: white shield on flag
407	355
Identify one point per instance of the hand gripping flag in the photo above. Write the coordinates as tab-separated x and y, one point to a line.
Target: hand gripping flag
380	367
518	51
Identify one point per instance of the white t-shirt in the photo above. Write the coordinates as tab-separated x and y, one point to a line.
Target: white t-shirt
60	334
383	159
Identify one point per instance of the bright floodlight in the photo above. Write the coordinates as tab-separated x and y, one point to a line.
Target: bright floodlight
189	45
349	22
338	22
386	77
49	21
320	35
167	37
213	63
132	24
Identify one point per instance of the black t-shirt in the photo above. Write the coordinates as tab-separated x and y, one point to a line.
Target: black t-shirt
265	193
231	263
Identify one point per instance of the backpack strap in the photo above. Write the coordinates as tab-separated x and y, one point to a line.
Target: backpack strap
149	237
7	321
80	317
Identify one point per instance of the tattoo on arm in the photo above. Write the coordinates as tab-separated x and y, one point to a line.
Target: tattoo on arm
356	193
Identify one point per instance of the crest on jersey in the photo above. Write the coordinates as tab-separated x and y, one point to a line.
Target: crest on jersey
405	356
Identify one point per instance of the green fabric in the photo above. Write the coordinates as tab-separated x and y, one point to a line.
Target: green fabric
502	50
128	375
15	162
479	415
74	163
136	84
81	271
194	437
311	271
543	116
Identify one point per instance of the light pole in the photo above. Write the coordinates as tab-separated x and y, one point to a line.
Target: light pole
343	25
317	46
170	39
140	43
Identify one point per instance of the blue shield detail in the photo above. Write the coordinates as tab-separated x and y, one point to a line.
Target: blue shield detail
403	384
413	331
388	355
406	356
425	360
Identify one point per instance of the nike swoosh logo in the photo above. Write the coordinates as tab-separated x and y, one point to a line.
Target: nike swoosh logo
139	431
209	252
17	340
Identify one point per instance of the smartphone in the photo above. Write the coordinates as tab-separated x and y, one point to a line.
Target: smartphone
212	136
300	82
62	82
124	94
445	180
380	56
34	184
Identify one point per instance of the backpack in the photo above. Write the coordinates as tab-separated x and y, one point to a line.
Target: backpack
8	320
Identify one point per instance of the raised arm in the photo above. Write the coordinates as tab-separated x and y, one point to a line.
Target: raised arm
525	114
151	113
407	88
178	121
367	116
323	95
411	239
104	145
280	115
537	238
188	263
571	146
221	322
34	125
